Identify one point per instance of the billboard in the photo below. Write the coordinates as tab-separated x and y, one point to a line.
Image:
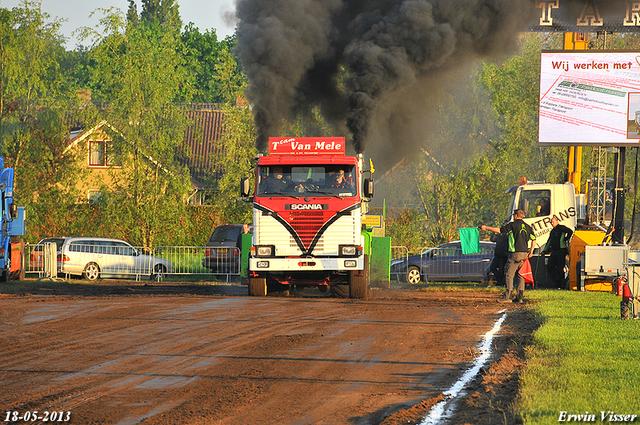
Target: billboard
589	98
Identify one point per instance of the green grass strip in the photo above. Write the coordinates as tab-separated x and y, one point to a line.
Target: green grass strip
584	359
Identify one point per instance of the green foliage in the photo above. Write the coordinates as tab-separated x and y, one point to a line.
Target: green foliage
137	67
36	104
161	14
406	228
29	51
515	89
584	358
78	68
218	78
141	73
239	152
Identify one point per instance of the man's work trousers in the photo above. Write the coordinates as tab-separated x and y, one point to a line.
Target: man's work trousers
513	278
555	266
498	268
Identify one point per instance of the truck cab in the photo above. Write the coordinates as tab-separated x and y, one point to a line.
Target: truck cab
308	203
542	201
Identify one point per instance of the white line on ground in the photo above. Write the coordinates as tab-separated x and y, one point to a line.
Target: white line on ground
438	412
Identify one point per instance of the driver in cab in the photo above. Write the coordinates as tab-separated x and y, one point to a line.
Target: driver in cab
277	181
337	180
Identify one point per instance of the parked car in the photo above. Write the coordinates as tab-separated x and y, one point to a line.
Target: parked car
93	258
36	257
446	263
222	254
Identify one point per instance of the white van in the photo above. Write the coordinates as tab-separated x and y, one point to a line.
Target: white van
93	258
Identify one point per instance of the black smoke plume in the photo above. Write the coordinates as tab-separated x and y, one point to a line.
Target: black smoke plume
369	65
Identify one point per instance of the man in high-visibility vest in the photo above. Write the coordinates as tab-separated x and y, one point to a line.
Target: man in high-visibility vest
521	246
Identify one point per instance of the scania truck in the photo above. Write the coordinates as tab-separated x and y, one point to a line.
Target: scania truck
308	199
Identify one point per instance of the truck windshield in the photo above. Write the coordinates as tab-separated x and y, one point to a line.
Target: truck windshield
534	202
307	180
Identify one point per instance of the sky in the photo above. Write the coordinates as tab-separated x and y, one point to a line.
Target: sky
205	14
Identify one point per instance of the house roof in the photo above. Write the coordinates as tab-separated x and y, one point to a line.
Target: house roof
78	137
202	146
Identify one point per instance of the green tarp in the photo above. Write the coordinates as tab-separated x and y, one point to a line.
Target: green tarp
470	240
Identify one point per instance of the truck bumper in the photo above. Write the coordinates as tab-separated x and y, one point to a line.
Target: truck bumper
305	264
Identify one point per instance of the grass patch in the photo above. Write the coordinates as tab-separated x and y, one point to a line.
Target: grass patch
584	358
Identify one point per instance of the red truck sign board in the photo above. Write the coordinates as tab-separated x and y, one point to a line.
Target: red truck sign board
306	146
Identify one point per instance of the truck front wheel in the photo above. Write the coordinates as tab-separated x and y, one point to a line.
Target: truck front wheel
258	286
358	281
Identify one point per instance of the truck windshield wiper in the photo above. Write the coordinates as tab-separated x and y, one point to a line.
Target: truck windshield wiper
282	194
324	193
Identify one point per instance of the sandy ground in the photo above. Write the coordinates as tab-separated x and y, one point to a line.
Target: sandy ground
169	354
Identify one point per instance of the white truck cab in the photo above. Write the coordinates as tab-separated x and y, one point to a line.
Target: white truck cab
542	201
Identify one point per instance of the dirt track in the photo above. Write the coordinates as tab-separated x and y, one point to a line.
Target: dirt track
162	355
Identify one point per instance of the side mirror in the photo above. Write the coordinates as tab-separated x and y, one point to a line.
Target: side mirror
245	187
13	211
367	190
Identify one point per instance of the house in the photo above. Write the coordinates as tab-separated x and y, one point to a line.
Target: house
200	152
96	143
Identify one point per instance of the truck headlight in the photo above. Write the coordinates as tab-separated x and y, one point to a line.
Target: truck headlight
265	251
350	263
263	264
348	250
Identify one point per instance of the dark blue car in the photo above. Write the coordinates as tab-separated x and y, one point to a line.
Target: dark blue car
444	263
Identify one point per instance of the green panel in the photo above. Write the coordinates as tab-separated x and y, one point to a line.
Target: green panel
244	254
367	241
380	259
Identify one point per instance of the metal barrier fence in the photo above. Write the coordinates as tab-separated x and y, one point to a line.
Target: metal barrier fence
115	259
34	263
201	259
93	259
399	263
446	263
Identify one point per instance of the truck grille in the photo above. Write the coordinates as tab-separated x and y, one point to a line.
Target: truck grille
307	224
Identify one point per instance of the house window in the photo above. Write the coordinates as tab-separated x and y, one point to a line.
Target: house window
99	155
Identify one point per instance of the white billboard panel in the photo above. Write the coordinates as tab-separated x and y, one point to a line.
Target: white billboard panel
590	98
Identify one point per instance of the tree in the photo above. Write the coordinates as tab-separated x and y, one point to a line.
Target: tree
515	88
239	152
218	77
141	73
37	103
161	13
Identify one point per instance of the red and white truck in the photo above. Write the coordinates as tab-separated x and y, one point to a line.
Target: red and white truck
308	202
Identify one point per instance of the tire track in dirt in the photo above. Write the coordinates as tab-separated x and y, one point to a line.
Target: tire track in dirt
229	360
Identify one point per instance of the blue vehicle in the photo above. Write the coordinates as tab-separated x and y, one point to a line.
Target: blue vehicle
13	225
444	263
